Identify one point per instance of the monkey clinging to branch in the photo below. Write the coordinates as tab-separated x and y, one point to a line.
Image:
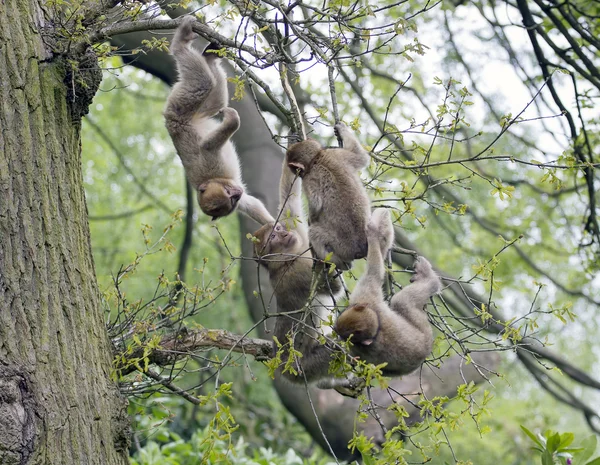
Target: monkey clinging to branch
400	336
284	251
203	143
338	205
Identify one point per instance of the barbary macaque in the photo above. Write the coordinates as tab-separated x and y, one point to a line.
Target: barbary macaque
283	249
203	142
399	334
338	205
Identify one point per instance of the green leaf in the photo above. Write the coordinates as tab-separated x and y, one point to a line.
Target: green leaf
553	442
532	436
547	458
589	445
566	439
596	461
367	459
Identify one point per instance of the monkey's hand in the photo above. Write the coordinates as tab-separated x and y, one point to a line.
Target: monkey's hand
340	130
208	51
353	388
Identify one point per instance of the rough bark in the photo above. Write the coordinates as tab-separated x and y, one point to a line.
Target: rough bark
57	402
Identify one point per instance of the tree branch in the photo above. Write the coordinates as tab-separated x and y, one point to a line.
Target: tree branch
175	346
203	30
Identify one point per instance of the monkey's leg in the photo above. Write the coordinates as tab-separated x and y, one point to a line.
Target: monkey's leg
219	95
385	229
360	158
196	79
369	285
411	300
255	209
416	294
321	240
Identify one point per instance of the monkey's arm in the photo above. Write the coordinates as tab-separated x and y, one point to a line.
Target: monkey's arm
214	140
290	202
359	157
255	209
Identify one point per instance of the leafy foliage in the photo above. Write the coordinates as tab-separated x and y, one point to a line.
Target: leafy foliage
200	449
556	448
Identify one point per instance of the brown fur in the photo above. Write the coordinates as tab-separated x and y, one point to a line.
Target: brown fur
359	322
400	334
203	142
338	204
218	197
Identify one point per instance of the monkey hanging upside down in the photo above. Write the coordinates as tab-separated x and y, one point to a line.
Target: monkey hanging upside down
202	142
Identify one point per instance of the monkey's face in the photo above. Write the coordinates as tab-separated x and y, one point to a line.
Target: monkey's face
275	239
300	155
359	321
218	197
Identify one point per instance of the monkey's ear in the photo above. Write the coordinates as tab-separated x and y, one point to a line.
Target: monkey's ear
359	308
202	188
296	166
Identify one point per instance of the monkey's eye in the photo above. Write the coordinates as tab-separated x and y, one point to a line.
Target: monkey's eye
272	236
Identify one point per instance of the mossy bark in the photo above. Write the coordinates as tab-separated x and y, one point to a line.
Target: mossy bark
57	402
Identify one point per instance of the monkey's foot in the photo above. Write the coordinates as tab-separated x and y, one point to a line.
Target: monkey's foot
381	229
184	31
422	269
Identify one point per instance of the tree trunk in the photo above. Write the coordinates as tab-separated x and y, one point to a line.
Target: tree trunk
57	402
